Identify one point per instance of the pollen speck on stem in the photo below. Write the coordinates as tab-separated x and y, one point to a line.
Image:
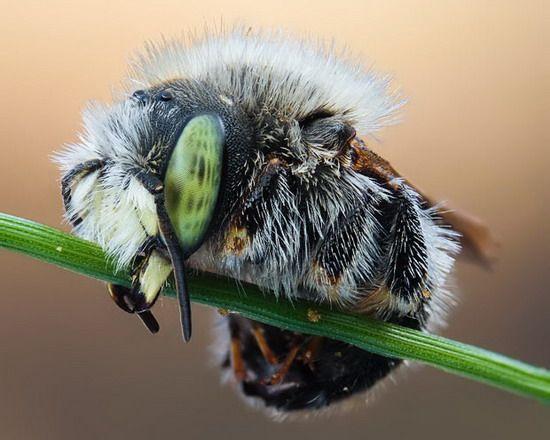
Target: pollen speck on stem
223	312
313	315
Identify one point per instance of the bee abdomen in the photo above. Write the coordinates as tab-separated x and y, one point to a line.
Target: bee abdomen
309	372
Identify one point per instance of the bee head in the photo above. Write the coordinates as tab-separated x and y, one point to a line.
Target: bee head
199	147
164	166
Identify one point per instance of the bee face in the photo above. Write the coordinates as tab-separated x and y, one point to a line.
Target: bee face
242	156
152	176
199	139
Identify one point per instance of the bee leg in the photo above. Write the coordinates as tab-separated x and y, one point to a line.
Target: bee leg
309	348
122	297
340	370
149	321
150	273
353	237
258	332
280	374
73	176
312	350
406	275
236	357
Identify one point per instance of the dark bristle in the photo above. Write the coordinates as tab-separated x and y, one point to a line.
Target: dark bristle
149	321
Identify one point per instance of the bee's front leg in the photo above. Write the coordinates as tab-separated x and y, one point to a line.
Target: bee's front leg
122	296
71	179
150	272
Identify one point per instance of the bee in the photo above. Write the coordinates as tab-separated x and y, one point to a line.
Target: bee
244	154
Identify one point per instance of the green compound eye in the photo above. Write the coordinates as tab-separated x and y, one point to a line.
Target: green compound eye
192	180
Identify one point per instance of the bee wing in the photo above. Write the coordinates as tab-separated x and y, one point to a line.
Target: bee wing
478	244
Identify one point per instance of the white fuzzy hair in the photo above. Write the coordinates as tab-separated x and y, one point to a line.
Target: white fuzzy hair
295	75
119	221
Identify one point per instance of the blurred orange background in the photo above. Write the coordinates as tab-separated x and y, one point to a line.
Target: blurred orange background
476	133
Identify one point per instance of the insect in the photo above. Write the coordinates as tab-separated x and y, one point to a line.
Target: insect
244	155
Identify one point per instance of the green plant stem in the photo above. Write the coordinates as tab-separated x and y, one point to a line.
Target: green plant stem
69	252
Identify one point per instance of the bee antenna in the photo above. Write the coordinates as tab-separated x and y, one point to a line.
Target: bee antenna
178	266
183	300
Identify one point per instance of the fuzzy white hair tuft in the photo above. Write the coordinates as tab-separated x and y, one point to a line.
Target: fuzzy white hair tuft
298	76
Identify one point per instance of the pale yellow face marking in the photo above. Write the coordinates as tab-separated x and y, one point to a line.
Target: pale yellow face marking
149	220
154	276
